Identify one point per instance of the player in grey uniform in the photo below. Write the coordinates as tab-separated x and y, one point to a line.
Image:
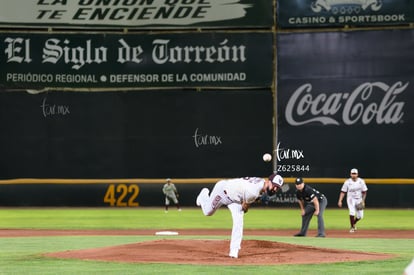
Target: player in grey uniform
171	194
237	194
356	192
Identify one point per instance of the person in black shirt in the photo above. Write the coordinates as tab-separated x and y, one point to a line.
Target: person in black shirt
311	202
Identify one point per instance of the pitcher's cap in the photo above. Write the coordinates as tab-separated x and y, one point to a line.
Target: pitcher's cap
354	171
276	179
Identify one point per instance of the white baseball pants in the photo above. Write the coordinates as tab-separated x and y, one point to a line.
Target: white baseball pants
217	198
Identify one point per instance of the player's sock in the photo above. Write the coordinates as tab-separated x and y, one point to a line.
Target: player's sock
352	221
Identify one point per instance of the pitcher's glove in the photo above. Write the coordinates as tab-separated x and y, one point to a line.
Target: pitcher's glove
360	206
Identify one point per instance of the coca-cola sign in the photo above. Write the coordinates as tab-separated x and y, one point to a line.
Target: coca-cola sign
347	108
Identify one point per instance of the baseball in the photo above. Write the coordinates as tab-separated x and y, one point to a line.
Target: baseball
267	157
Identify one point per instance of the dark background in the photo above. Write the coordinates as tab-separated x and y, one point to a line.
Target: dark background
146	134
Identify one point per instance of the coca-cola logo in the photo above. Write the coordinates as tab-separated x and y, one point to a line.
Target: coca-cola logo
357	106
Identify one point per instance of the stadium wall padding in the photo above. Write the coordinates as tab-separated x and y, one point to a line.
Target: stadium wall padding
124	194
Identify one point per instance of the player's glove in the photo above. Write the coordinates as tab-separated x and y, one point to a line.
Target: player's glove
360	206
264	198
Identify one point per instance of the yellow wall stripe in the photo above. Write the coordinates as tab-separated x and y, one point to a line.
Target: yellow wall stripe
190	181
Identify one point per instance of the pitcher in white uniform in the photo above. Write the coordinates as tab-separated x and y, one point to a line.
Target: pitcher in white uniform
237	194
356	192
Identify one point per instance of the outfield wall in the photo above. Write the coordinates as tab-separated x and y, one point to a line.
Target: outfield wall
95	95
148	192
146	134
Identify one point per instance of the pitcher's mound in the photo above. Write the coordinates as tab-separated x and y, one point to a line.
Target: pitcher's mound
208	252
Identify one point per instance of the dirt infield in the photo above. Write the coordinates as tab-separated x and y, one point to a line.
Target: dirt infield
169	249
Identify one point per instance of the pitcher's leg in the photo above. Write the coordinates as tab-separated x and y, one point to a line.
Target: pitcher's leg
237	230
209	204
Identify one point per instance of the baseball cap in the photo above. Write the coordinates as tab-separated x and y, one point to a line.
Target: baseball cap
354	171
298	181
168	179
276	179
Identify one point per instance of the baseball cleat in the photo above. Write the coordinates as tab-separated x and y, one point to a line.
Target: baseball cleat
199	197
352	230
234	253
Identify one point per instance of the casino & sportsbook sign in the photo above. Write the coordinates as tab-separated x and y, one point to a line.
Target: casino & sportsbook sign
329	13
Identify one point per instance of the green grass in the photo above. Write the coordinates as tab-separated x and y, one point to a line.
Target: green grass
155	218
23	255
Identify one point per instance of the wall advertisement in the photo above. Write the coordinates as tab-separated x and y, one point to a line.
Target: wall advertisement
345	100
215	59
339	13
137	14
